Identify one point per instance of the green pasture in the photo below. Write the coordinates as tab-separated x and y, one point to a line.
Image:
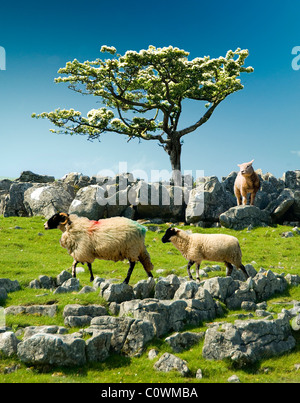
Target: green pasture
28	251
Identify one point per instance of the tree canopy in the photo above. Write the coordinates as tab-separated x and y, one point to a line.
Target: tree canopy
143	93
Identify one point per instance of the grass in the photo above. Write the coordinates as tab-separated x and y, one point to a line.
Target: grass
28	251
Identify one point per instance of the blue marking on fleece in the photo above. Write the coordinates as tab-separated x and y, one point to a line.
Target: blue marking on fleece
141	228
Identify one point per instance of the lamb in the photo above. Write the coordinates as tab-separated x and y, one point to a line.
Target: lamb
115	238
247	181
212	247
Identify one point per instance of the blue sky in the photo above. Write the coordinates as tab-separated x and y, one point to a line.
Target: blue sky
261	122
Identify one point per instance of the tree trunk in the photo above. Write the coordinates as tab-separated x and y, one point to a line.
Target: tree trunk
174	151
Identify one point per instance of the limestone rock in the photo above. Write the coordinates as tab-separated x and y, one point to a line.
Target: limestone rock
183	341
240	217
8	344
47	200
246	342
207	201
52	349
169	362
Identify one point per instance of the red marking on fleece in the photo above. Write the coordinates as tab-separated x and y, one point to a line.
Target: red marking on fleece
94	225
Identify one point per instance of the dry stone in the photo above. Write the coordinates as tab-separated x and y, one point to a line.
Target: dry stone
246	342
183	341
13	204
144	288
128	335
9	285
28	176
280	205
8	344
52	349
52	329
86	202
241	217
207	201
169	362
267	283
117	293
166	287
79	310
46	200
42	310
97	347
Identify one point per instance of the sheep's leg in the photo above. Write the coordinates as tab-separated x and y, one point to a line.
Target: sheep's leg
144	258
229	268
252	197
130	270
242	267
91	271
238	196
190	264
197	272
244	197
75	263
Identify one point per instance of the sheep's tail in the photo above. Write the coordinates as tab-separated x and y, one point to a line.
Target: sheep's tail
144	258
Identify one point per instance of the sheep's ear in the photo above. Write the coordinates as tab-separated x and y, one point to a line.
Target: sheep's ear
172	230
251	162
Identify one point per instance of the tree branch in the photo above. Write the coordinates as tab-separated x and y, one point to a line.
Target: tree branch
200	122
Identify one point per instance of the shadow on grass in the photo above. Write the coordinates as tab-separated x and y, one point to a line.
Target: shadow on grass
114	361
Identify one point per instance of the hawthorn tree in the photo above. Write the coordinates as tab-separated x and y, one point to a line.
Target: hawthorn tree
143	93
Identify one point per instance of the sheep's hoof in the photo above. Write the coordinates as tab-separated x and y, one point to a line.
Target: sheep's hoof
198	280
91	278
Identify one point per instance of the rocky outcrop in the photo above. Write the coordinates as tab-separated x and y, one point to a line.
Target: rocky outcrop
206	202
8	344
28	176
246	342
241	217
169	362
138	321
52	349
47	200
39	310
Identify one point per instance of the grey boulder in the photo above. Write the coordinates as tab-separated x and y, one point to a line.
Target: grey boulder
52	349
240	217
169	362
8	344
47	200
246	342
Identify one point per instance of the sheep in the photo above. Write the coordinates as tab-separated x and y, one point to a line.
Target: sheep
115	238
213	247
247	181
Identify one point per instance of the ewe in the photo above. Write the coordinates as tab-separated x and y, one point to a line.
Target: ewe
247	181
213	247
115	238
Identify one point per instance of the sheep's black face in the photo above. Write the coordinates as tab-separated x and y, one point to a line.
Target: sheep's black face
168	234
56	220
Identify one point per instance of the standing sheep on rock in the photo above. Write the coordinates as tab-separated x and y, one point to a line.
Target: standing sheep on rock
247	181
212	247
115	238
